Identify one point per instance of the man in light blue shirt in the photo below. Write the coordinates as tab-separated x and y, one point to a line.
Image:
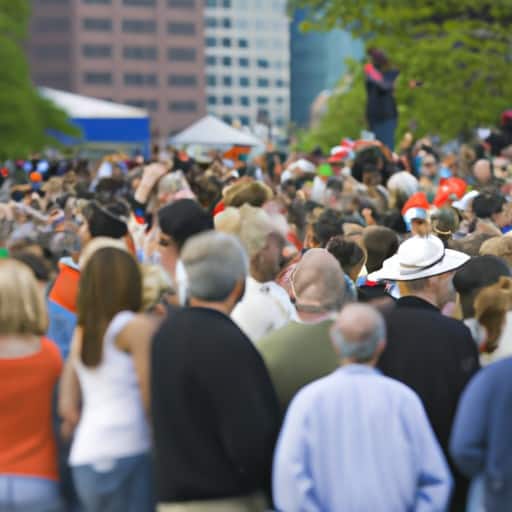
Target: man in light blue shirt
357	441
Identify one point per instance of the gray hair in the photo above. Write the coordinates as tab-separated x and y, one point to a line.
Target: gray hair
358	331
214	263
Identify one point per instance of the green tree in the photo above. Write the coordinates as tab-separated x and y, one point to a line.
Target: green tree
25	117
459	49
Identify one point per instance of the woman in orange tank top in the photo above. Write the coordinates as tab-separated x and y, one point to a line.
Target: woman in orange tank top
30	366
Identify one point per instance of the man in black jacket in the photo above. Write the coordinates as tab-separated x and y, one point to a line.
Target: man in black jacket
433	354
215	412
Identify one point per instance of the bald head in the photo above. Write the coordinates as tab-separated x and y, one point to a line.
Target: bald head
318	282
482	171
359	333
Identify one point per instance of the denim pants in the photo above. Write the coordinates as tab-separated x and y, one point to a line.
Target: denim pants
29	494
476	495
385	132
120	485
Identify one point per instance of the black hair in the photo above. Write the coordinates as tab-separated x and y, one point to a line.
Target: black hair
486	204
329	224
479	272
348	253
35	263
108	220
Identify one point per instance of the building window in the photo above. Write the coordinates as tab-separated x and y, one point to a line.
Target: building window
244	81
140	52
227	100
226	42
211	80
243	62
212	100
211	60
227	81
243	43
262	82
263	63
182	54
227	119
102	2
210	42
182	80
139	26
151	105
226	4
279	83
210	22
98	78
97	24
226	61
51	51
226	23
182	106
52	25
279	101
181	29
60	80
53	1
245	120
97	51
141	79
181	4
211	3
262	100
140	3
245	101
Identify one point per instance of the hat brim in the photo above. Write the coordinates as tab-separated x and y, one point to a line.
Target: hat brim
391	270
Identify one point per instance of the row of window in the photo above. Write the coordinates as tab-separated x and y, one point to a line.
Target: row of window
225	42
214	23
212	60
177	54
172	106
140	79
182	4
243	81
218	3
136	26
243	101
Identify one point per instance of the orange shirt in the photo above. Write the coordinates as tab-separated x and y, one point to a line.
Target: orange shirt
27	441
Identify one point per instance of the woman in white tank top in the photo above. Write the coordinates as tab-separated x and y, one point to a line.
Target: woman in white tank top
109	367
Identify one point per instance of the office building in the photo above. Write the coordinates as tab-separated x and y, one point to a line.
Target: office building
145	53
248	61
317	64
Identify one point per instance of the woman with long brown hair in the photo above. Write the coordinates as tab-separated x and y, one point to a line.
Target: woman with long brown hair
108	366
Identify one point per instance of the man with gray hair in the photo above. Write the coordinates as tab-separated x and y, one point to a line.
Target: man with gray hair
215	413
357	440
301	351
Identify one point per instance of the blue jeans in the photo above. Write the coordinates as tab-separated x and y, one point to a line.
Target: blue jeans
385	132
476	495
124	486
29	494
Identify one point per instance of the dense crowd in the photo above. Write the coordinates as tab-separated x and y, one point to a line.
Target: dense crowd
302	332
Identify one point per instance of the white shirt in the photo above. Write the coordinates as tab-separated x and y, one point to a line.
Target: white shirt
265	307
113	423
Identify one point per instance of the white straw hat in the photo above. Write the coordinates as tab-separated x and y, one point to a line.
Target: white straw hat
419	258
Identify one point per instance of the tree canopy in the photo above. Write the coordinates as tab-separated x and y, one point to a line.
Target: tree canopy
25	117
459	49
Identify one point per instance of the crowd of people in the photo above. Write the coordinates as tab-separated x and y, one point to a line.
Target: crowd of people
301	332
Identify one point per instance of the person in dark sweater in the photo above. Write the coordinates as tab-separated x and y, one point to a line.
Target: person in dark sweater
381	110
431	353
215	412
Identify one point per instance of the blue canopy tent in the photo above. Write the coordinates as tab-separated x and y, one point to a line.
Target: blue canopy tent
102	122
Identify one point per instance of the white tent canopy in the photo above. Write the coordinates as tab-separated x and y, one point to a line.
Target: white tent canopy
84	107
211	131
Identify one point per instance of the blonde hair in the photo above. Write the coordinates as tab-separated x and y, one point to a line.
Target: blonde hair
22	304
